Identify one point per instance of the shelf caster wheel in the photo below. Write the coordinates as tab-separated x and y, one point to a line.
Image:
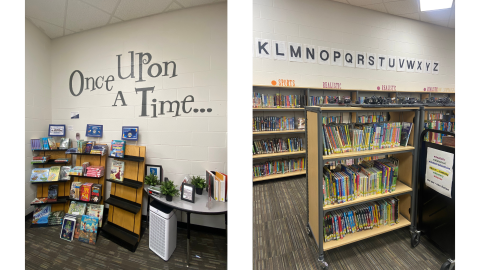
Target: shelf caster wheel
415	240
323	264
309	232
448	265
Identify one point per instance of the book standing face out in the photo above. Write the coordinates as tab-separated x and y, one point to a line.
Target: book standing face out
54	173
39	174
117	169
68	228
88	230
118	149
41	213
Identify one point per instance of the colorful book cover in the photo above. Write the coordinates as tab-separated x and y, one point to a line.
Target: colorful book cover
96	193
54	173
96	210
39	200
65	172
406	129
117	169
118	148
41	213
68	227
39	174
52	193
78	220
77	208
86	192
88	230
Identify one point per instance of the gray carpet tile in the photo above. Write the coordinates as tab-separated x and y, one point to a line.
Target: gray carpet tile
280	240
45	250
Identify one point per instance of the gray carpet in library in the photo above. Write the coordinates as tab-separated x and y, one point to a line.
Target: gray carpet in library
280	241
45	250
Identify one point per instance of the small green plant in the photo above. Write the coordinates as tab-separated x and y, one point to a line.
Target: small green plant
151	180
168	188
198	182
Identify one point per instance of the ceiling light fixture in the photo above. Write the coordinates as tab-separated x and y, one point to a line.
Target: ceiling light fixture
426	5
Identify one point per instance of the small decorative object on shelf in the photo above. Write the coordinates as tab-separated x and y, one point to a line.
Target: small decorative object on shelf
199	183
130	133
94	130
169	189
56	130
187	192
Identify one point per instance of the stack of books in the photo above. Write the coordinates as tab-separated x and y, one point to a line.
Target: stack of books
36	144
95	171
99	149
61	160
77	170
39	159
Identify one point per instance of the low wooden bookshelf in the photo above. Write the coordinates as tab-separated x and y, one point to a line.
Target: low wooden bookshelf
277	176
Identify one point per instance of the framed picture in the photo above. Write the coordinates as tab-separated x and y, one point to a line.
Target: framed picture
94	130
154	169
130	133
188	192
56	130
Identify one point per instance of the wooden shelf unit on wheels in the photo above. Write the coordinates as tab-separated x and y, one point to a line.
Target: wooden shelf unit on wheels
63	186
406	183
125	210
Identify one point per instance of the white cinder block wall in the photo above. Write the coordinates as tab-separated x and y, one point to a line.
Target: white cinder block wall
37	98
196	39
337	25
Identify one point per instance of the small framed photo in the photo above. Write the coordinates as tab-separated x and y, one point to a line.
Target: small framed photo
156	170
94	130
188	192
56	130
130	133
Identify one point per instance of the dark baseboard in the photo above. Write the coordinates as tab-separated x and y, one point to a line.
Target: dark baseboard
29	216
195	227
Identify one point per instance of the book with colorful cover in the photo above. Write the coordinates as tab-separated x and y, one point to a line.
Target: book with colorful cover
54	173
41	213
406	129
76	233
88	230
96	193
96	210
117	170
118	148
56	218
39	200
77	208
75	190
39	174
52	193
65	173
86	192
68	227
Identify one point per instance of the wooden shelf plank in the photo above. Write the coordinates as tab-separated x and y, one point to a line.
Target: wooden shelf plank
279	154
384	151
278	109
354	109
275	176
440	108
279	132
351	238
399	190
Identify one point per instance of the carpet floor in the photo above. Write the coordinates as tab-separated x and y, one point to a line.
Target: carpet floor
45	250
280	240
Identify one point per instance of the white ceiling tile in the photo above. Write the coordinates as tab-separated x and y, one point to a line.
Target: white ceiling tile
51	11
114	20
378	7
52	31
363	2
128	10
414	16
81	16
435	15
402	7
192	3
172	7
105	5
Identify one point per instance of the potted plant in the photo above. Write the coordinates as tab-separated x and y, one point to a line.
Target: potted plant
169	189
199	184
151	180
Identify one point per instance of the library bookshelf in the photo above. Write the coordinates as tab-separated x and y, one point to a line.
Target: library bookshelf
406	183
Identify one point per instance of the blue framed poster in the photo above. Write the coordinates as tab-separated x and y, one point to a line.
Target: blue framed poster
94	130
130	133
56	130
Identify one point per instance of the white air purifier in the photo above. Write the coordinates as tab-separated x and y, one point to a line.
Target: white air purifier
162	230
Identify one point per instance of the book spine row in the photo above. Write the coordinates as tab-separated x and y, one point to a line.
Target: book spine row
370	119
337	224
277	145
438	125
332	119
278	101
273	123
278	167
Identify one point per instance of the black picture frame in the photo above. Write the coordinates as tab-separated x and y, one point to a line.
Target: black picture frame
157	169
190	195
58	130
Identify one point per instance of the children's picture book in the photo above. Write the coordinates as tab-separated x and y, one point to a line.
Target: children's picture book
406	129
75	190
86	192
52	193
300	123
56	218
118	148
54	173
96	193
41	213
77	208
117	169
39	174
77	171
52	143
76	233
88	230
65	172
39	200
95	210
64	143
68	227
